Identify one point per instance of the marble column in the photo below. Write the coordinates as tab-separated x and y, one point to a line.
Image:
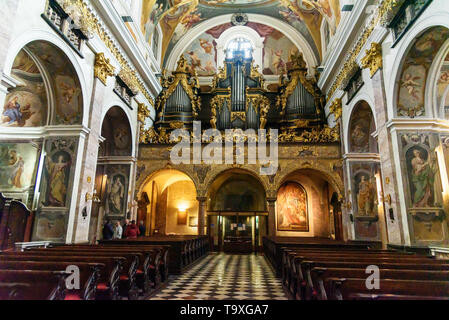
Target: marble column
397	232
272	216
89	163
202	201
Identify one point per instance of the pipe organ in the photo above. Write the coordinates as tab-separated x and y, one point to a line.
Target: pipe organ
239	100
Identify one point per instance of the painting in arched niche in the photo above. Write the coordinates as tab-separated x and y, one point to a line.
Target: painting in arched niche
361	127
117	132
443	88
25	105
64	83
415	70
291	208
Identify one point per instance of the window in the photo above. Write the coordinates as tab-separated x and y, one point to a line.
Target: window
239	46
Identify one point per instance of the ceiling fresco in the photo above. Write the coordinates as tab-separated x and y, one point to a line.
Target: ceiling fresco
177	17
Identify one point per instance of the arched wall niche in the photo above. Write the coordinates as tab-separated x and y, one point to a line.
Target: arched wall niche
236	191
116	130
48	91
413	97
361	127
310	191
168	203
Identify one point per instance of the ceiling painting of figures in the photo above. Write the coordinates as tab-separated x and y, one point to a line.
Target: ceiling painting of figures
177	17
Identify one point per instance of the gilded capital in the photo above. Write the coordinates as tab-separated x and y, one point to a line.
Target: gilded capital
102	68
336	108
373	58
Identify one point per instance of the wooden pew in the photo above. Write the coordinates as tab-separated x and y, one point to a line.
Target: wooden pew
44	285
295	276
147	274
89	275
181	254
316	281
127	280
345	288
108	283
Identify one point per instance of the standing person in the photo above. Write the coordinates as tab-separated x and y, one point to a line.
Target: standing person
132	231
118	231
108	230
142	229
125	226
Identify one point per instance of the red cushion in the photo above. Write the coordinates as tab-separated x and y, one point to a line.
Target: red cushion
124	278
102	287
139	271
72	296
152	267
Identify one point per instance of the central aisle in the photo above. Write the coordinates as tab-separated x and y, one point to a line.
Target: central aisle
226	277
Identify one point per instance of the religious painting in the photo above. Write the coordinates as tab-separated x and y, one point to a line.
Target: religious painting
67	95
292	208
117	132
64	82
18	164
116	195
117	190
311	13
415	71
365	189
152	11
58	172
186	23
277	53
25	105
420	166
201	55
360	130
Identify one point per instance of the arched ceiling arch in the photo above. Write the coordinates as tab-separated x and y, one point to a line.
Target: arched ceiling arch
310	54
176	17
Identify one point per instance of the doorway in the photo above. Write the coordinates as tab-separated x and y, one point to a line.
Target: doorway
237	233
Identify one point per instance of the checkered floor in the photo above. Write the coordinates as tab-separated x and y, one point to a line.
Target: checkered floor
226	277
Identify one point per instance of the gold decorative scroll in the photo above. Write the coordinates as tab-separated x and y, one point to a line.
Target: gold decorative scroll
316	135
373	58
336	108
239	115
102	68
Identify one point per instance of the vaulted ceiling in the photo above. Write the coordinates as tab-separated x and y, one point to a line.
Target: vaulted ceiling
177	17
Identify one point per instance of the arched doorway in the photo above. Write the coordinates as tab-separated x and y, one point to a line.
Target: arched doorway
112	199
237	212
168	204
308	205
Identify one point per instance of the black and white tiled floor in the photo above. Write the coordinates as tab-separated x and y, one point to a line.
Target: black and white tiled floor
226	277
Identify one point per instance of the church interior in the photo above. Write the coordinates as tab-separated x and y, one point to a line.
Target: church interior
224	149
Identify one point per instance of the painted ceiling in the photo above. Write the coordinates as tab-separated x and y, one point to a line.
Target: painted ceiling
177	17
